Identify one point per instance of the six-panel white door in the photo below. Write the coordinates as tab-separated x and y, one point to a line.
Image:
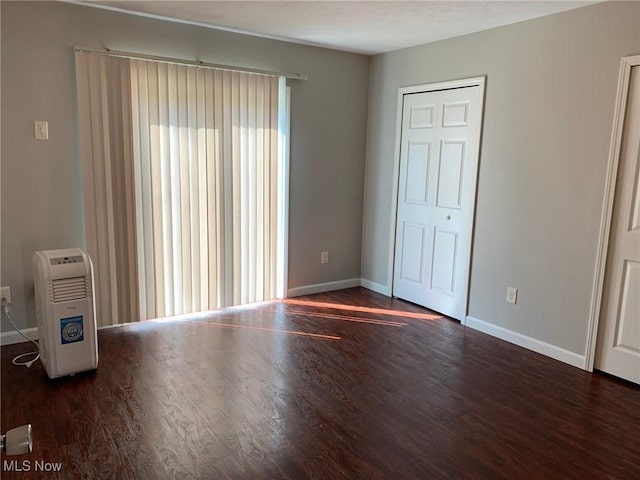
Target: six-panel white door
436	198
618	347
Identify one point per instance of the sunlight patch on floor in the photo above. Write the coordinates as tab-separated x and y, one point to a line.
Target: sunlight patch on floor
345	318
265	329
355	308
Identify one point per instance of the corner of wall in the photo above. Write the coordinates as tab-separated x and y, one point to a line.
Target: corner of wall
375	287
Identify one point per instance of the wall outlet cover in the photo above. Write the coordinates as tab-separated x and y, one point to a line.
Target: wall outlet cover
512	295
5	296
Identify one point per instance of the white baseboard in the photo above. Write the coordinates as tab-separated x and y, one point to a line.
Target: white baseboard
529	343
323	287
9	338
375	287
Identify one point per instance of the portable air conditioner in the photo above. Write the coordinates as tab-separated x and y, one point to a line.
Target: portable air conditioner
65	310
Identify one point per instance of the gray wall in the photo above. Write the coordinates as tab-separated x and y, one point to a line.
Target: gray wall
41	181
551	86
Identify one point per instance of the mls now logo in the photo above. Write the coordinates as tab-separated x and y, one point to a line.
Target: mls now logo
26	466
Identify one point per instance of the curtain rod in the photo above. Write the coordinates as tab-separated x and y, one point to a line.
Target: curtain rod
195	63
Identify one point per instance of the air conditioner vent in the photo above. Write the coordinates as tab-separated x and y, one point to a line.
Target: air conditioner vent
67	289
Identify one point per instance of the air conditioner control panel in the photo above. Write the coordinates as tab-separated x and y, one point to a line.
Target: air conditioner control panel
64	260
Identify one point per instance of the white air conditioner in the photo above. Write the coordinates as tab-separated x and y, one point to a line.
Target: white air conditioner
65	310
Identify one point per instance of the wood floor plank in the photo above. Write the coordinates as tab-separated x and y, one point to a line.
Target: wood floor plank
341	385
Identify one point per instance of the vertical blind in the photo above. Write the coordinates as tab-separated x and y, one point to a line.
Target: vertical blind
104	107
206	150
202	150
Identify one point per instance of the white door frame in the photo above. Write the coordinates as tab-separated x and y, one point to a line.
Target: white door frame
607	207
402	91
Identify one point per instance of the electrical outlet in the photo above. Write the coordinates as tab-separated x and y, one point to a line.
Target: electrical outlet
5	296
512	295
324	257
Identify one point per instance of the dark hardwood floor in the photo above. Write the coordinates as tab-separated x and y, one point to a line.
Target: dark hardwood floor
343	385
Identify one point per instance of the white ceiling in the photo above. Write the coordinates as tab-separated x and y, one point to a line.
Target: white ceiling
367	27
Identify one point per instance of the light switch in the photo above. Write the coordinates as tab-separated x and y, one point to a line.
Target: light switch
42	129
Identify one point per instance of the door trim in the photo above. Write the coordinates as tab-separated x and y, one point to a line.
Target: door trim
402	91
607	207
